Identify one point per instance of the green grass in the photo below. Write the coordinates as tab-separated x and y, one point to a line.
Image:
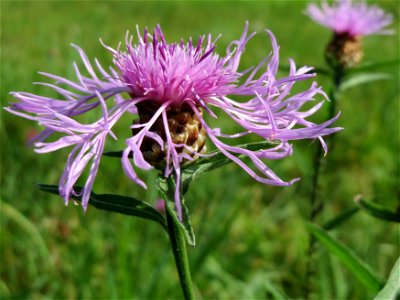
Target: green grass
251	240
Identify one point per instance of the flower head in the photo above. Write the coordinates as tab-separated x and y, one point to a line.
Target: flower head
353	19
174	72
349	22
167	88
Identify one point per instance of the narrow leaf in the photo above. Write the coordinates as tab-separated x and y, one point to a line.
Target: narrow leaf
340	218
186	224
391	290
217	156
216	160
167	188
362	78
375	65
376	210
115	203
355	265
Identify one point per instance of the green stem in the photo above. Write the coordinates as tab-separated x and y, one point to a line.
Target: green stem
334	97
178	244
316	204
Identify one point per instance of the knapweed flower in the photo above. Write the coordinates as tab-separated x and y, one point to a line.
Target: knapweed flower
349	22
167	89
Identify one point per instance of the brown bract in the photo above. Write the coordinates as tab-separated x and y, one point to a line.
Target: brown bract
344	50
184	127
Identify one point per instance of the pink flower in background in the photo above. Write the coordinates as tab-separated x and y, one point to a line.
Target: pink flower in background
354	19
349	23
167	89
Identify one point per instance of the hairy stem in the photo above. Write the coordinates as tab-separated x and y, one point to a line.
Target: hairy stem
316	204
178	244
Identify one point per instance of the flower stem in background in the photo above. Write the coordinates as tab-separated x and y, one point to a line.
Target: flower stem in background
316	204
349	22
178	244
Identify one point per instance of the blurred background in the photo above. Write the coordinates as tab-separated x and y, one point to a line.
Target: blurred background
251	239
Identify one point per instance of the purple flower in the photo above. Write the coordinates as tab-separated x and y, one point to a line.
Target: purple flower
349	23
166	89
353	19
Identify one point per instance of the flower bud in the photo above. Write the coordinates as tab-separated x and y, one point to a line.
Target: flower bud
344	51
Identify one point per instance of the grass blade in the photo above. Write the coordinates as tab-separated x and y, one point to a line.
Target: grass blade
362	78
375	65
355	265
10	212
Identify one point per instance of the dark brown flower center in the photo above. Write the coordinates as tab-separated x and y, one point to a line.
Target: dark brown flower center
184	126
344	50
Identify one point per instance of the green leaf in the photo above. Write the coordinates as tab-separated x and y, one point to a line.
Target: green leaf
186	224
116	203
355	265
374	66
391	290
362	78
340	218
217	156
195	169
167	188
216	160
376	210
